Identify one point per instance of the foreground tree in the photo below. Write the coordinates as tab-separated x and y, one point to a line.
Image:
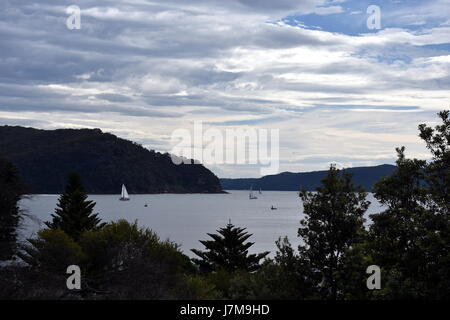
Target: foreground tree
438	170
333	224
229	251
119	261
11	192
286	276
395	237
410	240
438	185
74	212
52	251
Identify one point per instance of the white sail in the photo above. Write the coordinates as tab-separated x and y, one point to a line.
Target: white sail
124	195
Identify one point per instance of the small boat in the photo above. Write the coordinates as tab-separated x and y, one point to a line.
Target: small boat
251	196
273	208
124	195
146	205
260	191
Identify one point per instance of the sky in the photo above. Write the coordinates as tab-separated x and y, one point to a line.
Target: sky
337	91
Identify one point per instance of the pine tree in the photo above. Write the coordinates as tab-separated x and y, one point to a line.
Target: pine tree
11	192
332	225
229	251
73	214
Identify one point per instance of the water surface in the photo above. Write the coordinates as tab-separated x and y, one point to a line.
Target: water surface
186	218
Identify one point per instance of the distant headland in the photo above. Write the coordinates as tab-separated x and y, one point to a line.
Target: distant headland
105	162
289	181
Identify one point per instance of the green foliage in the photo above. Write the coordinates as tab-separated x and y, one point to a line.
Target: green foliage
286	277
74	212
437	240
52	252
11	192
220	280
120	261
294	273
352	277
133	262
229	251
202	288
283	278
437	171
410	239
332	225
396	235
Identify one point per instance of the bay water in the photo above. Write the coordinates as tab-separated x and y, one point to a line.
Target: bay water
187	218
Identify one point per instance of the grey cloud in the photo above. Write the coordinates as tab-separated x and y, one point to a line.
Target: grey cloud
114	97
50	103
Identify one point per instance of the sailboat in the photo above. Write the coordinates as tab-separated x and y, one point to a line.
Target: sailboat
251	196
124	196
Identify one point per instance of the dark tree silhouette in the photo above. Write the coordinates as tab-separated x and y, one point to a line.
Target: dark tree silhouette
438	170
229	251
11	192
73	214
410	239
333	223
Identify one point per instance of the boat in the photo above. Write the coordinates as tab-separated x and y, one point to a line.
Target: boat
251	196
124	195
273	208
260	191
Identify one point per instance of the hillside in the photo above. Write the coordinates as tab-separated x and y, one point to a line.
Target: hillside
104	161
288	181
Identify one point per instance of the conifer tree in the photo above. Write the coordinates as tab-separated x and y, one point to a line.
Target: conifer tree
11	192
229	251
73	214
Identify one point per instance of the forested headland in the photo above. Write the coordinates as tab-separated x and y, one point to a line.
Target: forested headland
44	158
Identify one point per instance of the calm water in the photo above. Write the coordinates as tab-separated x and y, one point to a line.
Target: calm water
187	218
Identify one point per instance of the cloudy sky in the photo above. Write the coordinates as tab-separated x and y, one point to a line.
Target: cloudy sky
337	91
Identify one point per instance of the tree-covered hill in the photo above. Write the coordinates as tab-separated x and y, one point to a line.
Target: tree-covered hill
289	181
45	158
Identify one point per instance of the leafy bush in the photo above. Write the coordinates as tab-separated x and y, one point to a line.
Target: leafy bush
131	262
120	261
52	251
